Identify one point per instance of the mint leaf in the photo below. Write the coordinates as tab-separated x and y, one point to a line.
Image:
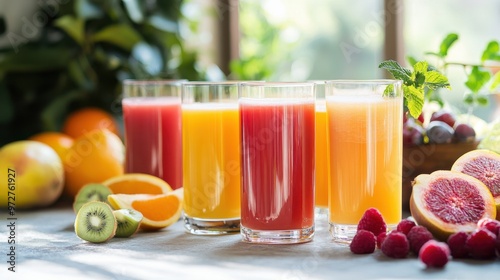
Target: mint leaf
420	66
389	90
423	78
447	43
397	71
491	52
477	79
435	80
496	81
414	100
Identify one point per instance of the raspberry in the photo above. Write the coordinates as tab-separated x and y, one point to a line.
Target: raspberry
417	236
489	224
405	225
363	242
372	221
434	254
395	245
380	239
456	242
481	244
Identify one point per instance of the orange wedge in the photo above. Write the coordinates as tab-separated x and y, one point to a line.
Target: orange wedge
137	183
159	211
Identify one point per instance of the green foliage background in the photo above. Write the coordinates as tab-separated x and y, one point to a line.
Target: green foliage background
82	55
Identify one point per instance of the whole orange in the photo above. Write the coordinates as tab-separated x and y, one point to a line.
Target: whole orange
93	158
60	142
86	120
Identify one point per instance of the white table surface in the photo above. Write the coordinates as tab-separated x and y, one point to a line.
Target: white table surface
47	248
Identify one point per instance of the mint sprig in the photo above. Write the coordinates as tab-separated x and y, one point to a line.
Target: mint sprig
415	83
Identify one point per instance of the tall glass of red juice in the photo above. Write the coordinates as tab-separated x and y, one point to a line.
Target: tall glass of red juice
277	164
152	122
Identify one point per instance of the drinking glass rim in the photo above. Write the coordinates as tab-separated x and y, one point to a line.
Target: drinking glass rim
365	82
139	82
211	83
277	84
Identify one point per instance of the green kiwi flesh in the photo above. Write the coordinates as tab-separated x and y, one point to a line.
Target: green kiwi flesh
95	222
91	192
128	220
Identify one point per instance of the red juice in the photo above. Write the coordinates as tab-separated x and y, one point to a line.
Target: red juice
153	137
277	164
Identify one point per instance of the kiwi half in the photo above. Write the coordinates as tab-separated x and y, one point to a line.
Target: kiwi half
91	192
95	222
128	220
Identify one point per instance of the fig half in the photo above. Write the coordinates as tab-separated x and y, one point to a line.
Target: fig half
446	202
483	165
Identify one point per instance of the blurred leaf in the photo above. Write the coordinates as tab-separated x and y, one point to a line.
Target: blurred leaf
3	25
87	10
6	106
36	59
469	99
163	23
482	100
74	27
412	60
53	114
491	52
134	10
477	79
149	57
448	41
120	35
496	81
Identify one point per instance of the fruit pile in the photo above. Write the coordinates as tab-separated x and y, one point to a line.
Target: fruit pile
410	238
442	128
88	149
114	209
454	215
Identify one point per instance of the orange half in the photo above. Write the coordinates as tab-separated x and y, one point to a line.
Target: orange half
137	183
159	211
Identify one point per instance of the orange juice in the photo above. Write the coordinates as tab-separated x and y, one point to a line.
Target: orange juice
321	174
211	160
365	142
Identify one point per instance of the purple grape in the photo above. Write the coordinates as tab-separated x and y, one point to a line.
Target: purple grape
439	132
464	133
444	116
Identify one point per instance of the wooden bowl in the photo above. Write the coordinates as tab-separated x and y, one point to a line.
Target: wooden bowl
424	159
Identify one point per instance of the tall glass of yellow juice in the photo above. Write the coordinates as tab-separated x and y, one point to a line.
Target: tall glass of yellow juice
211	157
364	131
321	162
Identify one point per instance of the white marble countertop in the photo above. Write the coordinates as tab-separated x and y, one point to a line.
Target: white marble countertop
47	248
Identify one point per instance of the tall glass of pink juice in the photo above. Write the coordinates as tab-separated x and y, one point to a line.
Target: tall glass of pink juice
152	122
364	130
277	164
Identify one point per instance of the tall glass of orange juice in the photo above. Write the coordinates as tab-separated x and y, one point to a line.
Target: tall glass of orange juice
211	157
364	131
321	173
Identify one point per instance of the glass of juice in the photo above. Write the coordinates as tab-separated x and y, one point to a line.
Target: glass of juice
211	154
321	155
152	122
277	164
364	131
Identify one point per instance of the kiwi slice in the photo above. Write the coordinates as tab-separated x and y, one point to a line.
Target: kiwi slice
95	222
91	192
128	220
